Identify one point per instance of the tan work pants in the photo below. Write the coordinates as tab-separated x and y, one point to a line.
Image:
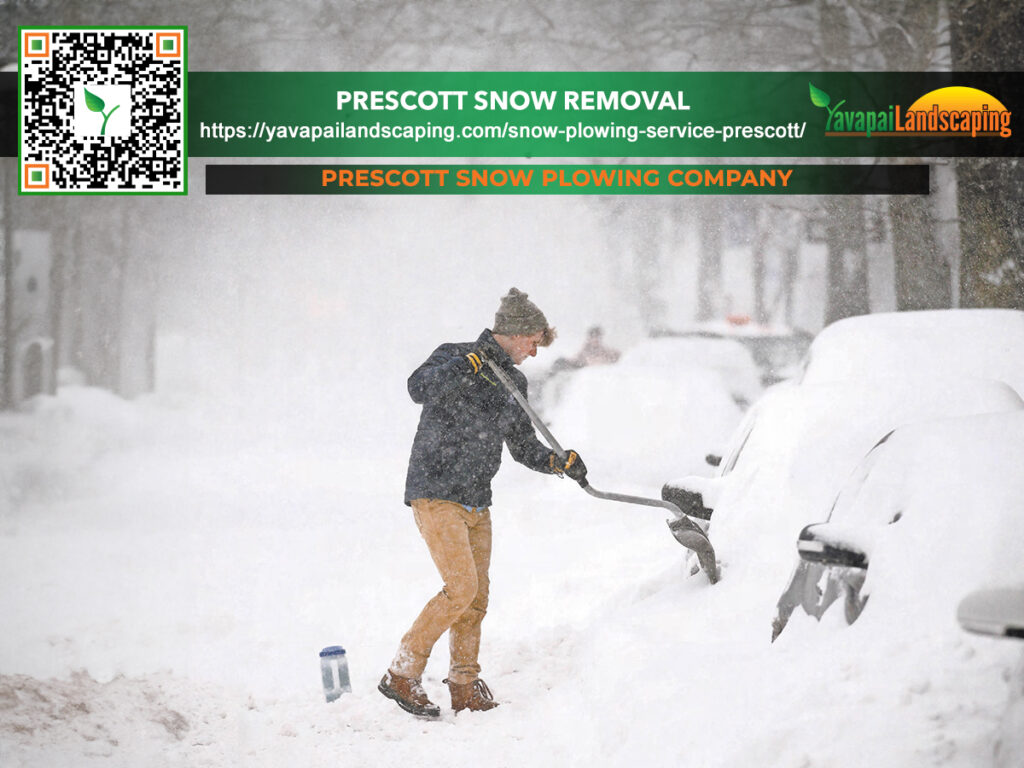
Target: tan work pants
459	541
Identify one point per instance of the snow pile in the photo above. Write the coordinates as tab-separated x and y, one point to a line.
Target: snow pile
79	716
52	444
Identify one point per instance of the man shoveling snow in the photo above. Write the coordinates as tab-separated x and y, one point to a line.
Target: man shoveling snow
467	416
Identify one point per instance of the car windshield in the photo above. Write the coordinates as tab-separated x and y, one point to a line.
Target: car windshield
845	508
734	455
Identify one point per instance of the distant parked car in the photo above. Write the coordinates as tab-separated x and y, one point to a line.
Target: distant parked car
663	405
776	351
728	358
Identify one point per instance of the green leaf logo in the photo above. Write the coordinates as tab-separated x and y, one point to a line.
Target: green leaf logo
821	99
95	103
818	97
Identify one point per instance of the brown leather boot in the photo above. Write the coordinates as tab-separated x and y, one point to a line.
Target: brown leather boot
408	694
475	696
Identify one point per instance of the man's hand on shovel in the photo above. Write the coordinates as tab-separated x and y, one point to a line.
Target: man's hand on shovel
571	465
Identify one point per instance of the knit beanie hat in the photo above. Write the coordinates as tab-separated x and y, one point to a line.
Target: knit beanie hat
518	316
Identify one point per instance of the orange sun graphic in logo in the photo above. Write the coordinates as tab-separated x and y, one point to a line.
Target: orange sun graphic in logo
957	98
955	110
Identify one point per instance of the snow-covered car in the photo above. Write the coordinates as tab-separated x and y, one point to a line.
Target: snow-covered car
930	508
778	352
978	343
933	508
660	408
724	360
863	377
655	410
982	343
793	452
726	357
999	612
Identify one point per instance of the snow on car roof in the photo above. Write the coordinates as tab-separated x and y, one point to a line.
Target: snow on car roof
985	343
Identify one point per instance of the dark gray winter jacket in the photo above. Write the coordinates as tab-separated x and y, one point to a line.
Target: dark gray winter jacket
465	419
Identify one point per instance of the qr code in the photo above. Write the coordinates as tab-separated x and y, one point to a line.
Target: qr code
103	110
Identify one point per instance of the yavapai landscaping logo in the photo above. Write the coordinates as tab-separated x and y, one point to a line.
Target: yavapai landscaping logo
954	111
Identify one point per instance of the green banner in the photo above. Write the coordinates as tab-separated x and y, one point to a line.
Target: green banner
603	114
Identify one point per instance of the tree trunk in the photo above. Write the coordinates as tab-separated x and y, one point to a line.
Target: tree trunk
846	245
759	257
992	271
709	276
986	37
923	274
923	277
845	241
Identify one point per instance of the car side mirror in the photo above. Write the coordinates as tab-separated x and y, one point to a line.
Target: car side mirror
998	612
691	503
713	459
831	544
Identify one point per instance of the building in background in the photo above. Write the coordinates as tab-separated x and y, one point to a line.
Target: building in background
79	297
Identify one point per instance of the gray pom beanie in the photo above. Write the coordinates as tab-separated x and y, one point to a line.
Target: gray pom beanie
518	316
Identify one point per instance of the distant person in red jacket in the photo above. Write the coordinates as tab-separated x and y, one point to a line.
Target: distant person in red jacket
594	351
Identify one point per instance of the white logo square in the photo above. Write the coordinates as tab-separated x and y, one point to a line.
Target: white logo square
102	110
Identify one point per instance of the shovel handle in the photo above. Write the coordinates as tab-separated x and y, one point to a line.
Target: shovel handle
676	511
521	399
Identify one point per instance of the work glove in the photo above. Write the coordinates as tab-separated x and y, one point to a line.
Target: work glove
474	363
572	467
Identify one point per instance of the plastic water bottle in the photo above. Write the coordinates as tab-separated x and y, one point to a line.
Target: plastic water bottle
334	671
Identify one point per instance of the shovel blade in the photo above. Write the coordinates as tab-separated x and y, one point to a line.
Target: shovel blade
692	536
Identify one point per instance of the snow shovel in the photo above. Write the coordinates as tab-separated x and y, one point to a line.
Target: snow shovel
684	530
